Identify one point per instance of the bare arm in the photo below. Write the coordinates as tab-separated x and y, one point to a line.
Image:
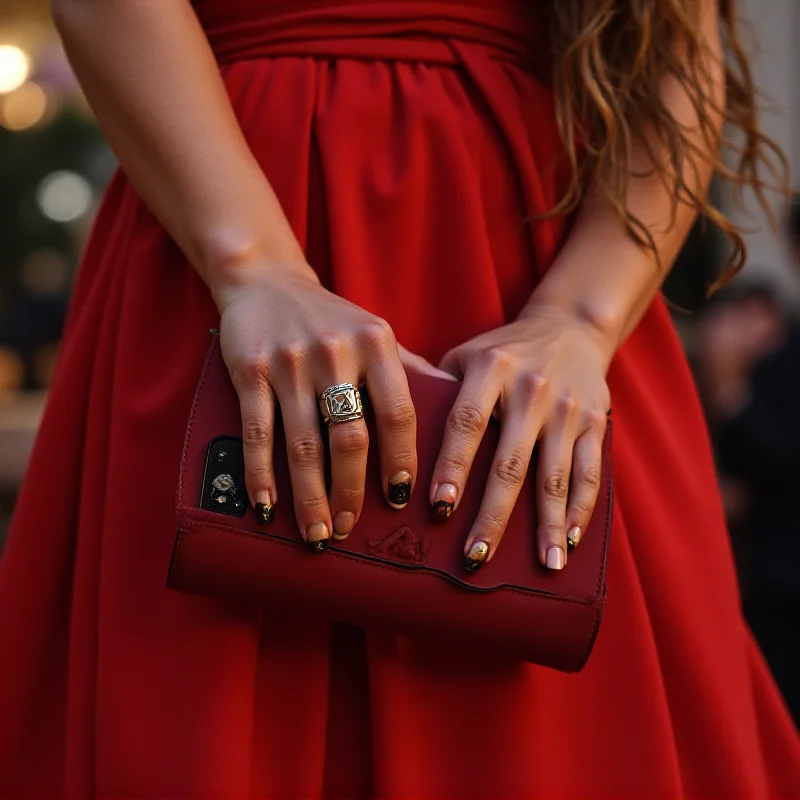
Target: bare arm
151	78
150	75
547	369
602	276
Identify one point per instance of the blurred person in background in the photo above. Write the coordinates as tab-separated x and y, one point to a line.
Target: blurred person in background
330	184
752	375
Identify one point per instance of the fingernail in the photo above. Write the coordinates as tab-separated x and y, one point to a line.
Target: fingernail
317	537
555	558
574	537
264	509
343	524
399	489
444	501
476	556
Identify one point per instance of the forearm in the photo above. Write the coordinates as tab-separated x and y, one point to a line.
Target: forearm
602	275
151	78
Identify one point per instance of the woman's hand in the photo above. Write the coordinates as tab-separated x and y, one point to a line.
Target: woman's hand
544	375
285	337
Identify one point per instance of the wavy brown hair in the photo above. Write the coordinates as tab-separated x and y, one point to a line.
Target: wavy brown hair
611	57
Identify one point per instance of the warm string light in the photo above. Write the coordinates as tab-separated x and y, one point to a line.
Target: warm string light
15	66
24	107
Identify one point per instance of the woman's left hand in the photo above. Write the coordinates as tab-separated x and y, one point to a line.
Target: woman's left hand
544	376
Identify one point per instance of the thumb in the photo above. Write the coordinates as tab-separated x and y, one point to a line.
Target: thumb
414	363
451	364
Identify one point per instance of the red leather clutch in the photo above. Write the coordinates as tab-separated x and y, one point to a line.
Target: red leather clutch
398	570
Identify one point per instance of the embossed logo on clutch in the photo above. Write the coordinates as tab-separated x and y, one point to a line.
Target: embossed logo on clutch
402	544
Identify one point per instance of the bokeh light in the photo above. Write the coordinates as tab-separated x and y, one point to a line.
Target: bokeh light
24	107
12	370
64	196
15	67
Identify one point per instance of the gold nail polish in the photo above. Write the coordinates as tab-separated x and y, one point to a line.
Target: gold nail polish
574	537
476	557
264	508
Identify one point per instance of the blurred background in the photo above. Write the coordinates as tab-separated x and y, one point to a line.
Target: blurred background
744	344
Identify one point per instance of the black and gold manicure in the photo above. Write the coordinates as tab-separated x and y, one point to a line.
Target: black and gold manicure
476	557
442	510
399	491
574	537
317	538
265	511
444	501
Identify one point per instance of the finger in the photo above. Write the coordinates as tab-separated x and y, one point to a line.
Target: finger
452	363
349	445
257	405
587	457
415	363
552	489
301	423
521	424
466	425
395	418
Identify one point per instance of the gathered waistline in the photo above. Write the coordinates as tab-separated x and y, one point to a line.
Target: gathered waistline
392	31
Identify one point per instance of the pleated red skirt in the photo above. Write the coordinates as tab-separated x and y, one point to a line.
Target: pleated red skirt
412	144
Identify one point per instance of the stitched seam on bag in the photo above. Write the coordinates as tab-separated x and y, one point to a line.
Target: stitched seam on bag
609	509
190	425
421	572
175	552
607	532
595	628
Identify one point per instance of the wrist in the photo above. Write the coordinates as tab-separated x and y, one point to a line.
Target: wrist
603	324
227	271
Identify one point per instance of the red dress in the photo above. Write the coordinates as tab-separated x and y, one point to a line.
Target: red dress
409	143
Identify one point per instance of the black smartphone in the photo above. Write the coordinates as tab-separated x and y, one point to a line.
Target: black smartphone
223	480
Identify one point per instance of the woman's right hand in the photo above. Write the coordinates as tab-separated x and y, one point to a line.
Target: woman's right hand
286	338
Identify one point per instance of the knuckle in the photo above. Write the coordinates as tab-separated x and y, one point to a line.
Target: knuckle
556	484
330	346
348	497
291	355
453	464
256	432
582	511
405	459
312	504
533	385
566	406
400	418
596	420
250	371
305	451
592	478
552	532
466	419
257	474
498	359
377	333
491	525
350	440
511	470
